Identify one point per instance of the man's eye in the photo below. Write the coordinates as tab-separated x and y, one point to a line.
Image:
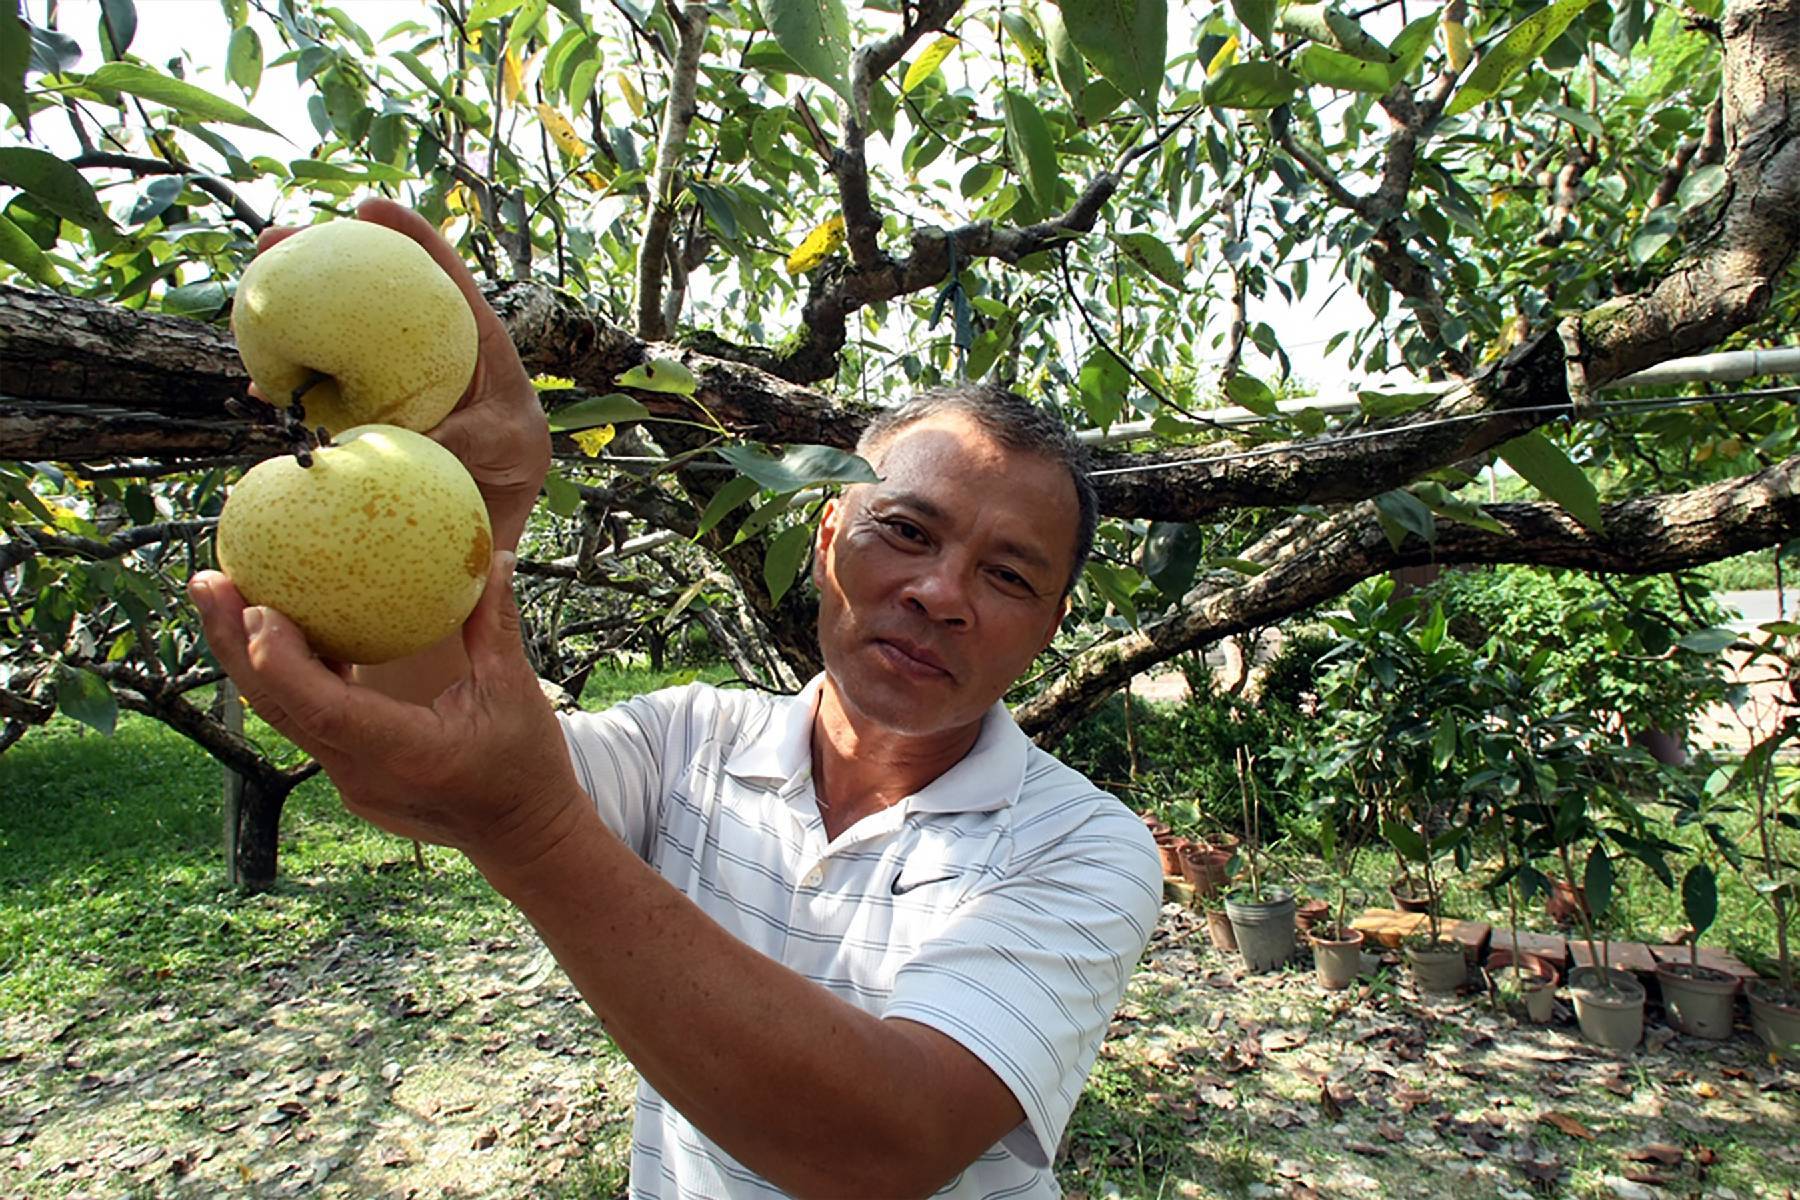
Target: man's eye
907	530
1014	580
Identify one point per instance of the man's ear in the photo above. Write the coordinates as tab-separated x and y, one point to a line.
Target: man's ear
829	517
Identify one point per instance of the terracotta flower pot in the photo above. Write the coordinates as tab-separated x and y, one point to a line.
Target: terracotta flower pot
1310	912
1193	868
1153	824
1218	928
1565	903
1776	1018
1169	846
1337	957
1408	903
1698	1000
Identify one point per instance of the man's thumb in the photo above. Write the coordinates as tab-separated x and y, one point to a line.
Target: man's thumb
491	634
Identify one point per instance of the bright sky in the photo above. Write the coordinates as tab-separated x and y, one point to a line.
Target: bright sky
198	30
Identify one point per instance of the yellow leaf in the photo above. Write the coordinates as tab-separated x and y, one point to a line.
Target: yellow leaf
551	383
512	77
561	132
458	199
634	99
927	63
1456	44
1224	58
817	246
594	180
593	441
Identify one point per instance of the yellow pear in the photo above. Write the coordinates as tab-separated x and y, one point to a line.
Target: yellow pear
377	550
361	321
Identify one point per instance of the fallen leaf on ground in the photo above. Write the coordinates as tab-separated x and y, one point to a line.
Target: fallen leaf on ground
1660	1152
1567	1124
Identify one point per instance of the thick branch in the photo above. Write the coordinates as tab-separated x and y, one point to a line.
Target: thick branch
678	115
1726	281
30	542
1308	562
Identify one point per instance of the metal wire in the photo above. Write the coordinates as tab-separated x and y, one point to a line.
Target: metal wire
1641	404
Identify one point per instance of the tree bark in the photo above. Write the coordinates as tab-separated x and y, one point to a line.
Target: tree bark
1310	561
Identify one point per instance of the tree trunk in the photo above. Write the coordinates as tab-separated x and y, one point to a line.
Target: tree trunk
256	835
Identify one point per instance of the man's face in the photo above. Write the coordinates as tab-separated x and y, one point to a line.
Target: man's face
940	584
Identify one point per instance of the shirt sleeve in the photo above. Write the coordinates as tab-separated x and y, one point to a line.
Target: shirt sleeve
619	758
1028	973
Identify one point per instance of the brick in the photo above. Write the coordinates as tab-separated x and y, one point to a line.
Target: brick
1388	926
1551	946
1624	956
1471	935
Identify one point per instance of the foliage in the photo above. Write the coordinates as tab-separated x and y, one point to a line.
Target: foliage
1634	654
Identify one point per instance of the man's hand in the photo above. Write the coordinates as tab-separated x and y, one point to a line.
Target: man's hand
498	428
484	768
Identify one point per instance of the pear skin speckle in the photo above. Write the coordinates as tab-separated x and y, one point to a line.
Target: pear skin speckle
369	550
368	308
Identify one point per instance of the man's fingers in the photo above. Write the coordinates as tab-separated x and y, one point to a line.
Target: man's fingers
307	700
491	634
273	234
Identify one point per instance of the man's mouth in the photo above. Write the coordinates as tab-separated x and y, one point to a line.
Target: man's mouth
912	658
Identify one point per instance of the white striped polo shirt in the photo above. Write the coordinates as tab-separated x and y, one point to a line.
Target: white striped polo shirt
1005	904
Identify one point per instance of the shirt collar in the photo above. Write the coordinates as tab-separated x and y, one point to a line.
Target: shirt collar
988	777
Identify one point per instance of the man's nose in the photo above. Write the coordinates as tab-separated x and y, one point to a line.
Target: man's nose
940	592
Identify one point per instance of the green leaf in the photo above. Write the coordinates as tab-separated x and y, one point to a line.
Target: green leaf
483	11
1172	552
1067	66
1258	17
55	184
1325	24
86	697
15	57
1335	69
1127	41
1103	383
17	248
244	59
1410	48
1443	743
1243	566
816	35
563	497
1153	254
1251	85
664	375
177	94
1405	839
118	26
1597	881
724	500
1116	584
1549	470
781	561
1253	394
201	301
1516	51
1709	641
1700	898
797	467
1409	513
611	409
1033	153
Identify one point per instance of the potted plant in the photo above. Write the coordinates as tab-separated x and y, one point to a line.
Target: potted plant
1609	1004
1699	1000
1262	921
1774	1004
1337	948
1437	962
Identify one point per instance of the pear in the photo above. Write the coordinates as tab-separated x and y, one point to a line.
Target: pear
377	550
360	323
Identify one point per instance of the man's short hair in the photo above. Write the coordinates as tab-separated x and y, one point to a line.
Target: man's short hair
1015	423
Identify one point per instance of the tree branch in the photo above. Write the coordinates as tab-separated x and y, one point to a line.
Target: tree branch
1308	562
217	188
678	115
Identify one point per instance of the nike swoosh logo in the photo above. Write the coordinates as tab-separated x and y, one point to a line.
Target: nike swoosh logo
901	889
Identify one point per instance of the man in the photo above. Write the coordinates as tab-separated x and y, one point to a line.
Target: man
860	942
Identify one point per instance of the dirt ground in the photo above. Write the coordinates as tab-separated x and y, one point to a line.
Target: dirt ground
370	1071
